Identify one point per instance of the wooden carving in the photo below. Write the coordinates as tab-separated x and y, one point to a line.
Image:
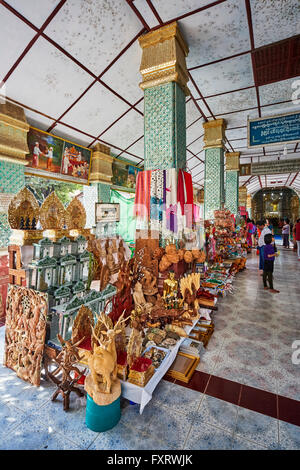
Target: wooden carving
25	332
75	215
83	323
104	276
52	213
66	361
134	348
23	205
103	361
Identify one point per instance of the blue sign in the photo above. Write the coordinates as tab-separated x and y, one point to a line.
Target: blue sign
274	130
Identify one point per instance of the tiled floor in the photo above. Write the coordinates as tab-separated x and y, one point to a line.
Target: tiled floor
251	348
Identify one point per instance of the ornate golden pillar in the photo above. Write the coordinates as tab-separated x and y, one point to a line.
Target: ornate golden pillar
243	196
101	171
13	150
214	138
164	73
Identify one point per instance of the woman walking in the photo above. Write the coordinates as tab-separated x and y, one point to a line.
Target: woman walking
286	234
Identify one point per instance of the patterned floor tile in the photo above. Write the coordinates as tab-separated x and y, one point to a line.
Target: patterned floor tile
216	412
177	398
289	436
170	427
242	444
32	435
258	428
10	417
207	437
70	423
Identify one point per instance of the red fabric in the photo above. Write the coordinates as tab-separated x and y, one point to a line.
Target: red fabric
185	196
297	231
142	194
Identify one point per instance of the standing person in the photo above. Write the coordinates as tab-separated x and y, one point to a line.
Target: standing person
261	242
49	158
35	155
270	226
297	237
269	258
286	234
249	232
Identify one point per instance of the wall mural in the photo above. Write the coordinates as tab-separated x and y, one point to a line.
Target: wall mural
53	157
124	175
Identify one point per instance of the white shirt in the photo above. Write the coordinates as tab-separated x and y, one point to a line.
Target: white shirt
261	240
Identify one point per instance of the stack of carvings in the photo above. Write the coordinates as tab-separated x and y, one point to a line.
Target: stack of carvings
24	214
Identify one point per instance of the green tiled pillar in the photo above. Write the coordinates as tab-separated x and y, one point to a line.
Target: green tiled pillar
232	191
214	194
165	127
164	73
103	192
232	181
12	180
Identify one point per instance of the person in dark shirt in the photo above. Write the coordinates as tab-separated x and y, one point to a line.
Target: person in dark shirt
269	257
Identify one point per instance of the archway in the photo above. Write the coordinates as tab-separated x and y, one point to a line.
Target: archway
275	204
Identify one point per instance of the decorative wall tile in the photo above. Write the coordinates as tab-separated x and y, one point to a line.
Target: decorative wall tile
214	181
165	127
11	181
232	191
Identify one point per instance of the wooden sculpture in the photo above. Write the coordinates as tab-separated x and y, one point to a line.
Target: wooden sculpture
25	332
66	361
52	215
23	206
75	215
189	286
83	323
149	282
102	361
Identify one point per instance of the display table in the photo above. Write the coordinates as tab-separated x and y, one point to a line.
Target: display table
142	395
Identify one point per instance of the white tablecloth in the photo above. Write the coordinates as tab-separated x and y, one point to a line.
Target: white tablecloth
143	395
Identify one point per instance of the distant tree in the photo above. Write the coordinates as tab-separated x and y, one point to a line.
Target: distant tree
42	187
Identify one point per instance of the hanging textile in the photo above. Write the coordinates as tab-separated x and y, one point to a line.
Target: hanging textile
156	199
170	200
126	226
185	196
142	195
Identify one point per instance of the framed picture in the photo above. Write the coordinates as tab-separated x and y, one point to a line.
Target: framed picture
107	212
53	157
245	169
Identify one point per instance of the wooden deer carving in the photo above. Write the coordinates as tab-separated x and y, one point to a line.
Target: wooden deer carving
103	361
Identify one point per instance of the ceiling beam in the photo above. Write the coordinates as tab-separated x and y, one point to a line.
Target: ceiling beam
190	13
219	60
294	178
69	126
67	54
118	119
33	40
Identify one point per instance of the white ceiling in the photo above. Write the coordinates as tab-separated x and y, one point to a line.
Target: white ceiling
81	68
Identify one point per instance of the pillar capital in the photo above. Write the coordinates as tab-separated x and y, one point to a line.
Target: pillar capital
242	196
214	133
13	134
101	165
163	57
233	161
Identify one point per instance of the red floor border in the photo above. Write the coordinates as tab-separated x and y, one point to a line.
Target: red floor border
251	398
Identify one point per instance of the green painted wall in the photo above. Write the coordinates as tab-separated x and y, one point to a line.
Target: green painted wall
11	181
